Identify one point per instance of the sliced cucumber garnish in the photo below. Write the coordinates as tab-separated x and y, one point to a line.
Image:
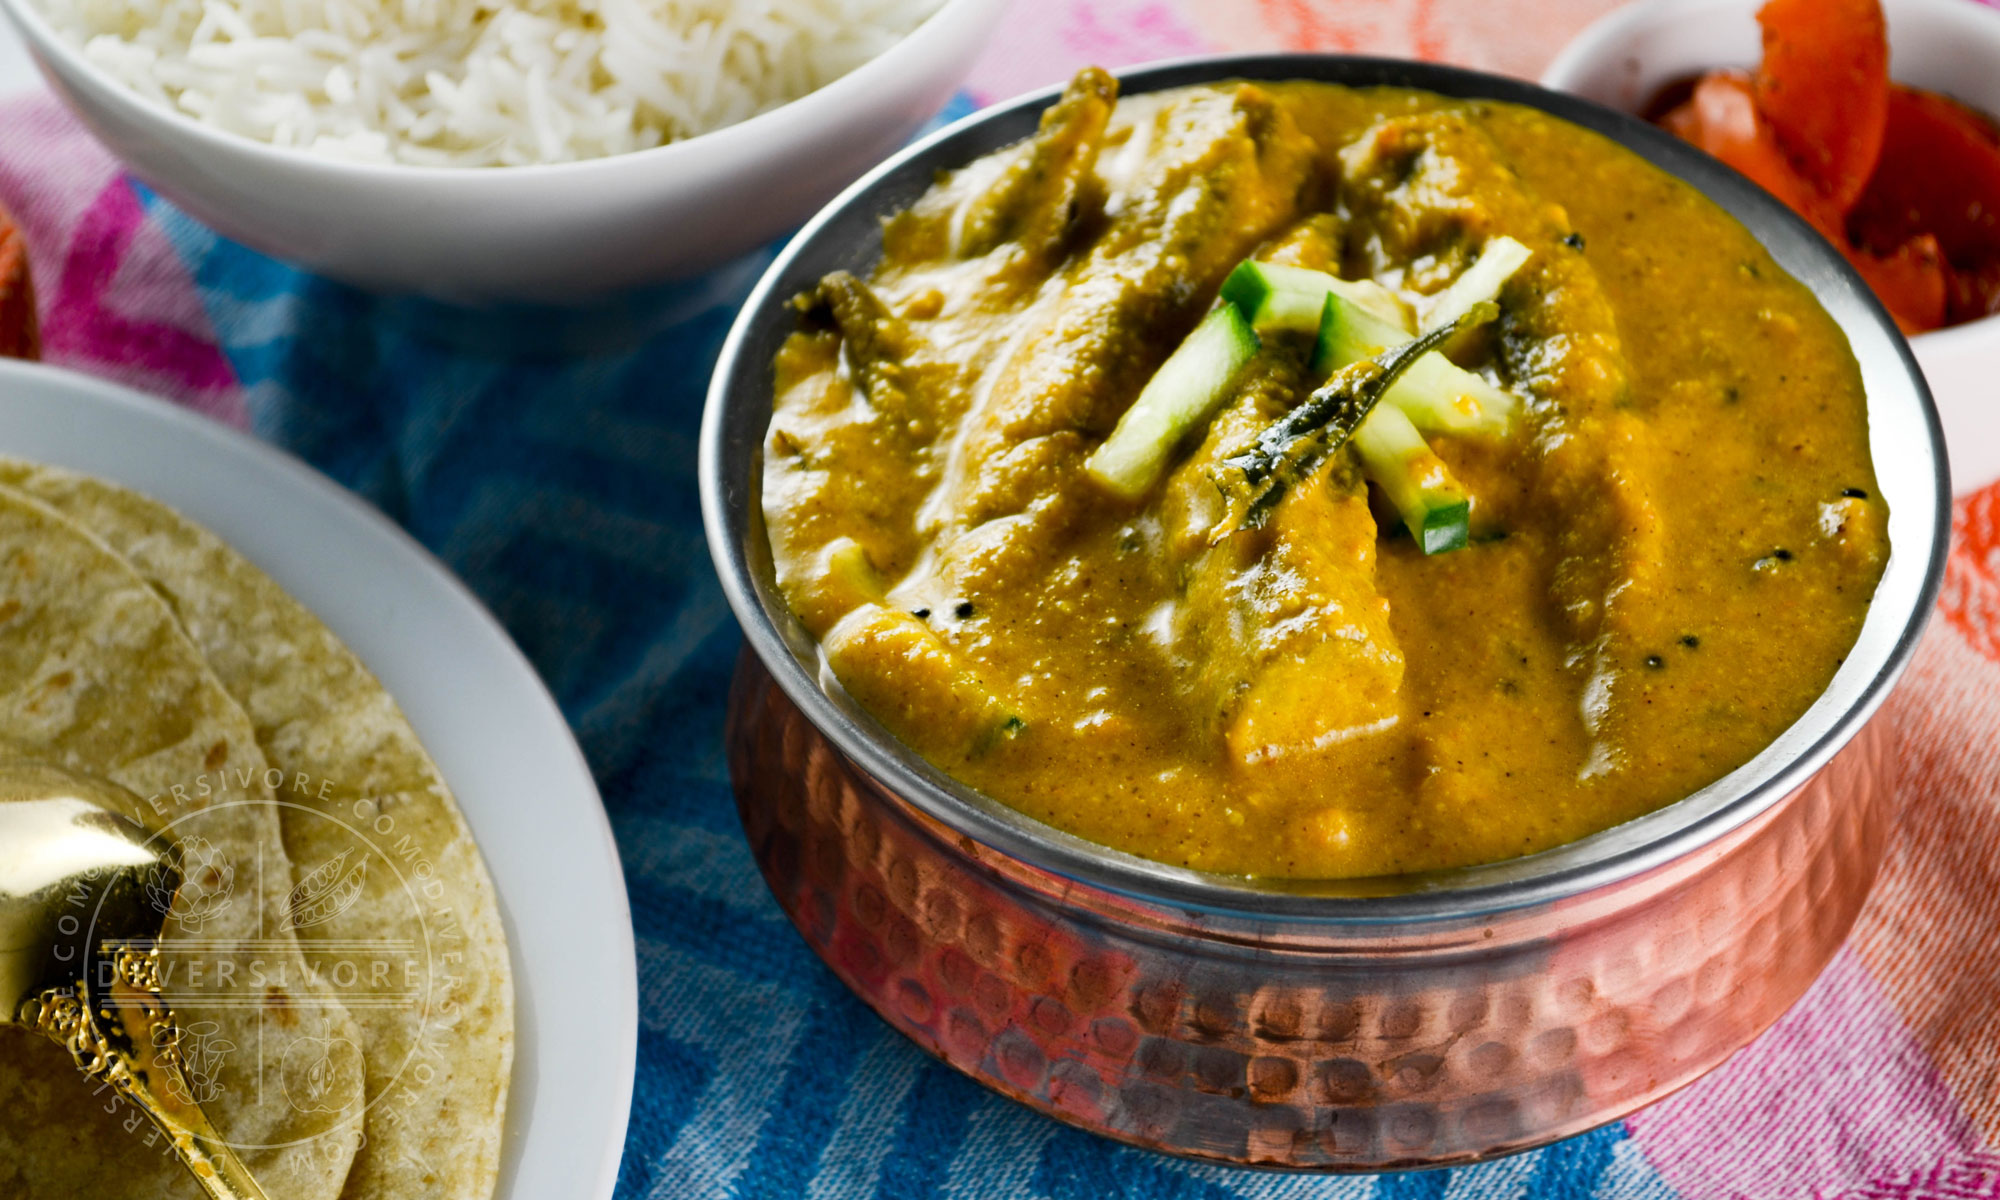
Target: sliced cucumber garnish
1182	394
1395	456
1273	296
1439	395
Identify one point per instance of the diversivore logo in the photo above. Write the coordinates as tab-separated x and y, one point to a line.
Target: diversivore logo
307	958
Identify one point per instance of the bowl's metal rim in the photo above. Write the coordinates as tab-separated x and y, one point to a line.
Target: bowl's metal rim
1465	894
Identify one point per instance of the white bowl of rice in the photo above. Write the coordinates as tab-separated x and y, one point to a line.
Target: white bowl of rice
502	150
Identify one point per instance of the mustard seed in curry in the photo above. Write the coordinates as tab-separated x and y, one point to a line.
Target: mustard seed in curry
1216	564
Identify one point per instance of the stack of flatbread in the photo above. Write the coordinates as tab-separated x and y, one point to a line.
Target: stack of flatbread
335	957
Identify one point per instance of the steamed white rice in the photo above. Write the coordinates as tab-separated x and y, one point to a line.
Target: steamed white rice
479	82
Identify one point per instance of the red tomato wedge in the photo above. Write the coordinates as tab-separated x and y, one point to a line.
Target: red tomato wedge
1905	182
1911	278
1823	87
1940	174
18	335
1975	291
1722	118
1912	282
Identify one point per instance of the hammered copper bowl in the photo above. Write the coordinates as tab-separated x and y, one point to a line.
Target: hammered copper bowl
1356	1025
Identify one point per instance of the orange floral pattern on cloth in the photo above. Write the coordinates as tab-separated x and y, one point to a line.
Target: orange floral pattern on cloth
1971	599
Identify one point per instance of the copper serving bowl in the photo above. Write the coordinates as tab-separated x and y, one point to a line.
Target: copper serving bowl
1356	1025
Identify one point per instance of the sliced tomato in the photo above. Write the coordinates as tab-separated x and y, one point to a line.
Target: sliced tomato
1975	290
18	335
1905	182
1722	118
1940	174
1823	88
1913	281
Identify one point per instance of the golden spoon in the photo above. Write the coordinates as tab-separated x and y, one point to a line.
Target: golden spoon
78	957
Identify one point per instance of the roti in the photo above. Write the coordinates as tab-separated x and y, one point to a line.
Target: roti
361	804
97	676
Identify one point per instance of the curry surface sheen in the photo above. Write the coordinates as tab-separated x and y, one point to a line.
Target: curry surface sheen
1671	551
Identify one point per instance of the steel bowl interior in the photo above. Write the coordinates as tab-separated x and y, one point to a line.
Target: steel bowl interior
1905	440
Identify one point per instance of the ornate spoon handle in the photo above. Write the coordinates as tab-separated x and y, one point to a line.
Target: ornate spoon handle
127	1037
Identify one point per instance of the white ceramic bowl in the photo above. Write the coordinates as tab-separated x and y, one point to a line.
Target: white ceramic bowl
1949	46
561	232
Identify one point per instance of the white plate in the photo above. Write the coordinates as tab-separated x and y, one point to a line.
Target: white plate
478	706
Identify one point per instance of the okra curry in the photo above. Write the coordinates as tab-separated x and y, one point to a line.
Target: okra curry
1291	480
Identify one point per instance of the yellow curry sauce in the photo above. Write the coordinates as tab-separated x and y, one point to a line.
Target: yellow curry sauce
1670	553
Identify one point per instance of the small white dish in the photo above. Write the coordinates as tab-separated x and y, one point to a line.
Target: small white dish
561	232
1949	46
479	707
